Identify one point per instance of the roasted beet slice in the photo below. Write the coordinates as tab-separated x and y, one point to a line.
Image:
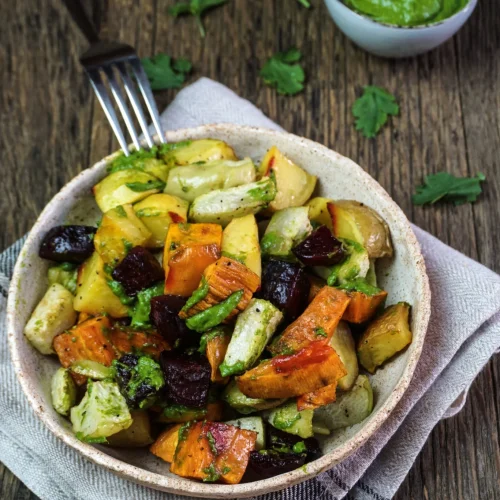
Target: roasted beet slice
164	316
285	284
279	440
138	270
268	463
320	248
68	244
187	378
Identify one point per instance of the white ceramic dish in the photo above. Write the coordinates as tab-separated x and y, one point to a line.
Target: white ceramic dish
404	277
395	41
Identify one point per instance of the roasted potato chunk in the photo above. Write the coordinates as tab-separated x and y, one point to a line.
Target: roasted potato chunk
343	343
201	150
386	336
135	436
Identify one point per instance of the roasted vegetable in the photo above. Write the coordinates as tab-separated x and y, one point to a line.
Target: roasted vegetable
93	294
189	249
344	345
294	185
137	435
310	369
63	391
126	340
319	397
288	419
254	424
142	308
187	378
91	369
102	412
384	337
53	314
65	274
287	228
355	266
140	378
68	244
85	341
316	284
189	182
365	301
285	285
201	150
138	270
213	451
175	413
269	463
125	186
223	205
119	232
288	443
317	322
157	212
320	248
166	443
214	345
350	408
164	316
240	241
254	328
221	279
245	405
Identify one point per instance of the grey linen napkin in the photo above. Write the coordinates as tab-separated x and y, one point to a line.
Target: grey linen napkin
464	333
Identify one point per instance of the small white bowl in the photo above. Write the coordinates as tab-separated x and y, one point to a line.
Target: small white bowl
388	40
403	276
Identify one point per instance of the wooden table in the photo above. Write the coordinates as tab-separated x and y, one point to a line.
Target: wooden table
52	128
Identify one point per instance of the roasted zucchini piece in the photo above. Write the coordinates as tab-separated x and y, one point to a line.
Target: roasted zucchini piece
53	314
157	212
191	181
287	418
384	337
138	435
254	328
189	250
94	296
245	405
254	424
119	232
91	369
240	241
294	185
287	228
63	391
125	186
343	343
223	205
350	408
201	150
102	412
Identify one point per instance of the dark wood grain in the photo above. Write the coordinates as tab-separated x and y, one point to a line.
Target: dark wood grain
52	128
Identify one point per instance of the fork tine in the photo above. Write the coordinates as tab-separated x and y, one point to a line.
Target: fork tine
122	106
102	95
134	99
143	82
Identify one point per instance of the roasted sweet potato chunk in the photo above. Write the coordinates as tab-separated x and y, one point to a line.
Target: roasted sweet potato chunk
126	341
317	322
164	447
313	367
317	398
363	307
87	340
213	451
189	249
221	279
217	342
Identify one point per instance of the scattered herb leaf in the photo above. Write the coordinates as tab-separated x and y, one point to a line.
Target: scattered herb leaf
140	187
195	8
165	73
305	3
283	72
372	109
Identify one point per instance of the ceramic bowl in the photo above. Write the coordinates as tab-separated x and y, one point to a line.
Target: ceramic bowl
387	40
404	277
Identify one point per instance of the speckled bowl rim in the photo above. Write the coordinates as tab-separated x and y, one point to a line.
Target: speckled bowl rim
183	486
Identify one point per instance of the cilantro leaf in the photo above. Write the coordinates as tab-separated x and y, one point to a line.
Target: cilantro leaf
281	73
195	8
165	73
305	3
372	108
447	187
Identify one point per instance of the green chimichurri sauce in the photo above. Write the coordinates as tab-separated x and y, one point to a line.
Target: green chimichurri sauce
407	12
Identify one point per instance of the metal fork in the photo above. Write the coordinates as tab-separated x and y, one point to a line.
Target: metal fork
106	58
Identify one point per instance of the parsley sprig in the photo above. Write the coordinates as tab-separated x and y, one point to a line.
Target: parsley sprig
283	72
195	8
164	72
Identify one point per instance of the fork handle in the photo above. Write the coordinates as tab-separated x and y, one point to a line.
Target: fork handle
81	19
